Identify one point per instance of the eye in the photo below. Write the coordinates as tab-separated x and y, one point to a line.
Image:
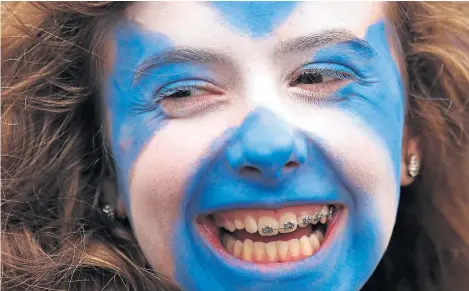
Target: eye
313	78
319	83
185	99
183	92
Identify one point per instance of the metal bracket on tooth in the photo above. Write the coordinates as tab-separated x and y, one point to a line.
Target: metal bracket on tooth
288	225
317	217
267	229
306	220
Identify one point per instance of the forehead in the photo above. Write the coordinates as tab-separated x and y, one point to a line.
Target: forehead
226	24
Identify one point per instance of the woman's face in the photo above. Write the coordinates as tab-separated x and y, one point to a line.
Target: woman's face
236	126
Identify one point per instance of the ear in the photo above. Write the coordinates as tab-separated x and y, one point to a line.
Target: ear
410	148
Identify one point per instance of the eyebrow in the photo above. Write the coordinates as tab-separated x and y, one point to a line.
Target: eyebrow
181	55
328	37
300	44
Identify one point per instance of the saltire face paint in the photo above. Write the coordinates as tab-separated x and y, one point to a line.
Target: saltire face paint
251	113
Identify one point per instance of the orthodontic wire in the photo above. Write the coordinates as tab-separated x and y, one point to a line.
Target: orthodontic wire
306	220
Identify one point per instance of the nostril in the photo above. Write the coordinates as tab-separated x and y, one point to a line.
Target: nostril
291	165
250	170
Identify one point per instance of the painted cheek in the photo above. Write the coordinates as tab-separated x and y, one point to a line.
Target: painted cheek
131	101
161	173
130	131
380	101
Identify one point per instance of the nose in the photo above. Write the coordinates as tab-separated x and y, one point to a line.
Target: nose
266	148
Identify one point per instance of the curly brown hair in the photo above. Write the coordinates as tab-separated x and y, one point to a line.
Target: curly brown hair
55	159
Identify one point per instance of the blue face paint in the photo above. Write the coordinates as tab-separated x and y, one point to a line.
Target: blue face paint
131	127
255	18
132	96
378	94
263	141
266	142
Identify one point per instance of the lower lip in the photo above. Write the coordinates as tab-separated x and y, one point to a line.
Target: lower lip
210	236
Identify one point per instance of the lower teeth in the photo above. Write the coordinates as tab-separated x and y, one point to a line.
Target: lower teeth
275	251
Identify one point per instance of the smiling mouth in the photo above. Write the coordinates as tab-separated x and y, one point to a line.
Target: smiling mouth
270	236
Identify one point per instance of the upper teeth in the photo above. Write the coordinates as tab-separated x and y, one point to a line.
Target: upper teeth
289	225
268	226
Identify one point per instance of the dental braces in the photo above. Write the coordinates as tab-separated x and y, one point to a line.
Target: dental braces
305	220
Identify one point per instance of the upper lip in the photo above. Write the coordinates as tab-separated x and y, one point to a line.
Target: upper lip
264	205
231	195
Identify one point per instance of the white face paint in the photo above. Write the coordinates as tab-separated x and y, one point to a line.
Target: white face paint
353	123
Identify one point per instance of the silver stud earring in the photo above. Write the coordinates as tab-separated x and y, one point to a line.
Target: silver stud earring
414	166
107	209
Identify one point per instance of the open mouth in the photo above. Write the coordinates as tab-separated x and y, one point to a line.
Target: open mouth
270	236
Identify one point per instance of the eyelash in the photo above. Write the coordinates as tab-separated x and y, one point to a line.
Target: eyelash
175	90
181	106
321	89
328	72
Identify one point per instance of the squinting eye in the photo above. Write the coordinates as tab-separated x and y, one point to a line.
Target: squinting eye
318	83
313	78
317	76
187	100
183	92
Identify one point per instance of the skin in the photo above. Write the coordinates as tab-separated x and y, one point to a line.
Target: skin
178	158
